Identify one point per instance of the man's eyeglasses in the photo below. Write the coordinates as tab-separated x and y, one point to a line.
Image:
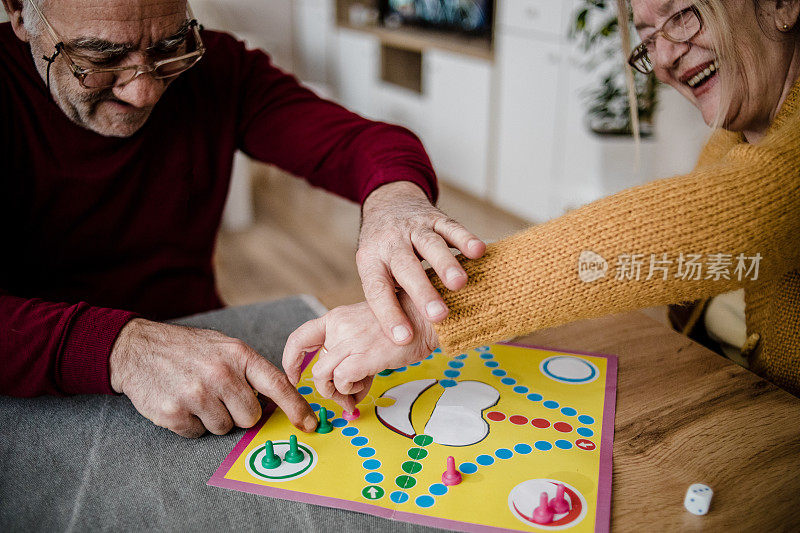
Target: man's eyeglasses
679	28
104	78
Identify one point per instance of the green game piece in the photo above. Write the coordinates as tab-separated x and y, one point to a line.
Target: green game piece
386	372
270	460
294	455
324	425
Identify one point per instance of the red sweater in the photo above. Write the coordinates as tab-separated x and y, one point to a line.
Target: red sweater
98	230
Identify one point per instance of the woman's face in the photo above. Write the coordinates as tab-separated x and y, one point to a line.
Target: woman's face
692	67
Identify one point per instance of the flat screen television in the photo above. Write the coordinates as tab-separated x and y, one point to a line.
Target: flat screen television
467	16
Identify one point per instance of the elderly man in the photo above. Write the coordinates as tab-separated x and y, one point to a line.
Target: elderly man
120	121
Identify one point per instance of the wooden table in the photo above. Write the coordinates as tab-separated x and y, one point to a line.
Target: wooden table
685	415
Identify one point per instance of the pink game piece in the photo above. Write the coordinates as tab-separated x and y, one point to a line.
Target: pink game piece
543	514
347	415
559	504
451	476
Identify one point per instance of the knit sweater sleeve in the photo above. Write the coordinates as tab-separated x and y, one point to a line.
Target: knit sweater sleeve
741	199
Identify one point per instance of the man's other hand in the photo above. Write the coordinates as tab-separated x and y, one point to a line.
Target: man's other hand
400	226
192	380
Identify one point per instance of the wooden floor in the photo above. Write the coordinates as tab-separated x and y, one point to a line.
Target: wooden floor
304	241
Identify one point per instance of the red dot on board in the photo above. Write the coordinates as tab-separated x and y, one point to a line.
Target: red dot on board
497	416
563	427
540	423
518	420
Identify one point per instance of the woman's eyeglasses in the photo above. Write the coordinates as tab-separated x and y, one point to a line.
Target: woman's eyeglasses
105	78
679	28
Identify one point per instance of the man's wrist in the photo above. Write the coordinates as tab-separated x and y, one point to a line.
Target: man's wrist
393	191
120	351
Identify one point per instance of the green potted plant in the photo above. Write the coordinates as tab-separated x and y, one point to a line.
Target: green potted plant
595	26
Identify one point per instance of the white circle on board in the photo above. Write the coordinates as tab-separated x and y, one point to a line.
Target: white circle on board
569	369
285	471
524	498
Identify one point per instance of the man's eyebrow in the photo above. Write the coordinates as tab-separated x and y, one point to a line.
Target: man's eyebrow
101	46
175	38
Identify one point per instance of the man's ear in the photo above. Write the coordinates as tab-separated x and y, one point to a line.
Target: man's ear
14	11
786	14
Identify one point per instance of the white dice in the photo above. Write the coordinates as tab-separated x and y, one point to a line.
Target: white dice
698	499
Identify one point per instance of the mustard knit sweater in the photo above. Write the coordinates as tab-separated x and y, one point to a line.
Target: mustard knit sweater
740	199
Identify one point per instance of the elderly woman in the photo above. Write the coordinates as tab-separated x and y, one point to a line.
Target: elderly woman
734	222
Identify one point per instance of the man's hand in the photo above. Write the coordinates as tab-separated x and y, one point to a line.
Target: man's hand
189	380
356	350
399	225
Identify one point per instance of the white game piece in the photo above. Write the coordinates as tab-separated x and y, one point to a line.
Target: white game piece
698	499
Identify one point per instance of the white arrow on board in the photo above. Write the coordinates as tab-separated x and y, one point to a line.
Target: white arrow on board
372	491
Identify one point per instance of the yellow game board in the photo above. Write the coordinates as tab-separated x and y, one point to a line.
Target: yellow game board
519	421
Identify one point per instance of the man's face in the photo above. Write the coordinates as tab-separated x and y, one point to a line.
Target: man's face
101	34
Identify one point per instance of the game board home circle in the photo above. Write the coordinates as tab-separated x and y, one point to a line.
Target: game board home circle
405	482
417	453
411	467
423	440
253	463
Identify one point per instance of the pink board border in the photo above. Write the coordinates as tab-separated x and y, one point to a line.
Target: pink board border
602	518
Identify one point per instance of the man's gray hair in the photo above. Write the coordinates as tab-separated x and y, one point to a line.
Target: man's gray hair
31	19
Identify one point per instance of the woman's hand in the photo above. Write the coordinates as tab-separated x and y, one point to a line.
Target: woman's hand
355	349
